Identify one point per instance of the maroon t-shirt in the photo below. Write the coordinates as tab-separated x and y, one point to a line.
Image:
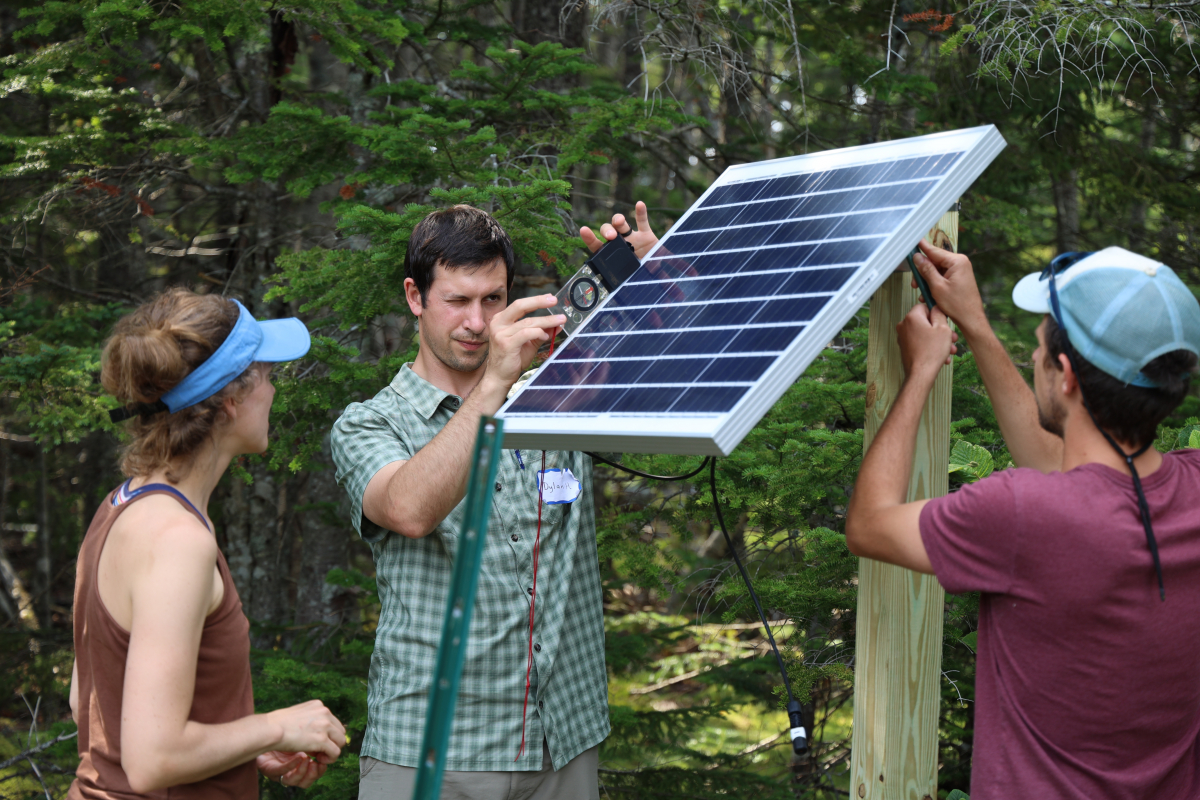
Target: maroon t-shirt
1087	685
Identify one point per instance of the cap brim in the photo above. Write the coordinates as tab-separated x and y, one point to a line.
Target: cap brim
283	340
1032	294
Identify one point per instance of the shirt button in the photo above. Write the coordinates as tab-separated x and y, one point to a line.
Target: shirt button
537	647
529	589
541	704
516	538
498	486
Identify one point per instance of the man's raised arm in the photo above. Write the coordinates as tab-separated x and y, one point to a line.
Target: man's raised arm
412	497
951	279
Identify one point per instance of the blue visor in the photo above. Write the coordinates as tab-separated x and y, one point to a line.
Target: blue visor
248	342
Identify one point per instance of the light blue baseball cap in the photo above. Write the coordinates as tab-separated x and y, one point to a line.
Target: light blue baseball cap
1121	310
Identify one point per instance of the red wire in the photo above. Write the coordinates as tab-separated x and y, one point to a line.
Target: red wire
537	546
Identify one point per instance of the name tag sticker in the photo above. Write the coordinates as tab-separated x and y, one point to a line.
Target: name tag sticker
558	486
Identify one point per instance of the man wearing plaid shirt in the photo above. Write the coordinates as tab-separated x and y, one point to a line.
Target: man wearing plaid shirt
403	457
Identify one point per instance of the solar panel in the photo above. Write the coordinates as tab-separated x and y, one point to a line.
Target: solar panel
740	296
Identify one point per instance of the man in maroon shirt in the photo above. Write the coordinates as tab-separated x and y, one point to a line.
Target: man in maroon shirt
1087	554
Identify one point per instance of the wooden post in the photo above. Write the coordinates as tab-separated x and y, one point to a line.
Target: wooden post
898	656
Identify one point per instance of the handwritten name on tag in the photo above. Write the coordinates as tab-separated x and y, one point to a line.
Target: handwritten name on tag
558	486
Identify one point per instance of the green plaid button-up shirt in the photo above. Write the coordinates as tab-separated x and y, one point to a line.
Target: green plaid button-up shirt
568	700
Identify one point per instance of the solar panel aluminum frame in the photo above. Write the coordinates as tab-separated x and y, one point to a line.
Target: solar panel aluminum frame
719	433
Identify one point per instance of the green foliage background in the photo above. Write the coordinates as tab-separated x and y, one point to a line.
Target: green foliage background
282	154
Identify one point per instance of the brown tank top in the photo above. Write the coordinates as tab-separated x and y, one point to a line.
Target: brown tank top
223	689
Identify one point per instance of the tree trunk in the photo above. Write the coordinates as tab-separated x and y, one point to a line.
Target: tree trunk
1139	209
1066	205
562	21
251	522
8	601
44	565
325	545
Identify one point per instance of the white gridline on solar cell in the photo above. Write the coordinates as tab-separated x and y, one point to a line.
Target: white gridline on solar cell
587	387
744	327
782	271
659	357
721	301
809	194
667	238
619	414
748	225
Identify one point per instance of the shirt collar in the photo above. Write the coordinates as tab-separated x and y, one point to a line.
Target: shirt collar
420	393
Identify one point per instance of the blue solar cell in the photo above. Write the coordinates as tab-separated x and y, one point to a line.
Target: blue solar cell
848	251
533	401
606	321
854	176
905	169
589	400
735	193
710	218
803	230
791	185
618	372
635	345
725	314
698	342
778	258
675	370
678	316
797	309
870	223
638	294
751	286
709	399
686	243
900	194
645	400
770	211
589	347
735	369
693	291
755	340
940	165
739	238
565	373
817	205
713	264
816	280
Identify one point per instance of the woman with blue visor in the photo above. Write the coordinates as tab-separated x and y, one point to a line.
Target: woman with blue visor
161	686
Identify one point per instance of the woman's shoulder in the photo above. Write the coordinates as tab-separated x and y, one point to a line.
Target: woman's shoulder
159	528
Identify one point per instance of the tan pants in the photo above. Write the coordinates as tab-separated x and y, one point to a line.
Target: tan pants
578	780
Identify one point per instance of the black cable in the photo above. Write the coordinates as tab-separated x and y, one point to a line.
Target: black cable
694	472
799	738
1143	505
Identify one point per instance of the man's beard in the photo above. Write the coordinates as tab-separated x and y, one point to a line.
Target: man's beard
471	362
1051	419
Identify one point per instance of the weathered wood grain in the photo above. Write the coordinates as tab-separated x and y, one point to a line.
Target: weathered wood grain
898	657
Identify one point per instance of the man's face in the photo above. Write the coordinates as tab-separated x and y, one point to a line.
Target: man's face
1047	378
458	307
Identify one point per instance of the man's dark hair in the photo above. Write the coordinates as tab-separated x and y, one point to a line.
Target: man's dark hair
1130	414
458	237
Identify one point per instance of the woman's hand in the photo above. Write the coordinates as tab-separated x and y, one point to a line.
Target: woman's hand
290	769
310	728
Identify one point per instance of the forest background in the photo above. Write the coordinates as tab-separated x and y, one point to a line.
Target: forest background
281	152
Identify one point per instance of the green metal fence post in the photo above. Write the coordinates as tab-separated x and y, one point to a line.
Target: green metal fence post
443	693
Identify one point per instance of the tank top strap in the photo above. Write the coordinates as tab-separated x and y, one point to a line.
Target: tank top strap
124	494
